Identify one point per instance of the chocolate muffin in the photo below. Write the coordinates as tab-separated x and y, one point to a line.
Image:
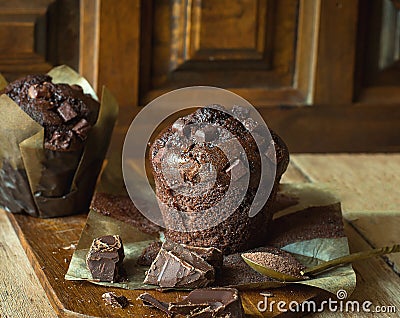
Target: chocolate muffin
65	111
202	163
67	115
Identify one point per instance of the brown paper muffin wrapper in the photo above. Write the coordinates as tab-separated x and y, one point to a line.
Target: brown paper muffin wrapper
45	183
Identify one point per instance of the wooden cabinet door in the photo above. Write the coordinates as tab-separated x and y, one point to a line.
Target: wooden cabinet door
37	34
247	46
323	73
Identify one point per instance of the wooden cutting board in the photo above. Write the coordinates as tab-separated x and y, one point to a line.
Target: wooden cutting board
48	244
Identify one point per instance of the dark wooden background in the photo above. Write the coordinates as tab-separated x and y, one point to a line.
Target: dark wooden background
323	73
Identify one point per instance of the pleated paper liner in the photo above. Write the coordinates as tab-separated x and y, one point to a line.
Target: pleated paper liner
46	183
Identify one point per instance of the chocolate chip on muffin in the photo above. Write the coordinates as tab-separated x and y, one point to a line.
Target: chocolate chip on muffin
65	112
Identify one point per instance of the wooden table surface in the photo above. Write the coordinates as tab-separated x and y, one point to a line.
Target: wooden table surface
368	185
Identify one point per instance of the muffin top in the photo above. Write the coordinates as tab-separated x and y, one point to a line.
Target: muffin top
194	159
66	112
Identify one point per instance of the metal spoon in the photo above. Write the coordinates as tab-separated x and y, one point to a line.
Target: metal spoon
278	275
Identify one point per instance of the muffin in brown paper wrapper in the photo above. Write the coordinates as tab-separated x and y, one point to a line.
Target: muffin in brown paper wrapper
46	183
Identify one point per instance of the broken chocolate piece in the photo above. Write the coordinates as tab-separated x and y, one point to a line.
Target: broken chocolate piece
202	303
206	134
115	301
39	91
66	112
210	302
149	254
61	140
32	92
177	266
149	300
181	128
104	259
81	128
211	255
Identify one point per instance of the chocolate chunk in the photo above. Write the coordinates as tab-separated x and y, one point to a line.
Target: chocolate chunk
60	140
176	266
206	134
66	111
81	128
44	102
115	301
32	92
237	169
39	91
202	303
149	254
181	127
210	302
149	300
211	255
104	259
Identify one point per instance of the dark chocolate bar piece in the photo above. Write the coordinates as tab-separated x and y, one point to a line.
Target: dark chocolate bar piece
149	254
211	255
149	300
104	259
202	303
177	266
115	301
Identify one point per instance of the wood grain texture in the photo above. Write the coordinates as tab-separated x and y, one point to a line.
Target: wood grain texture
336	52
293	174
109	48
220	43
35	35
364	183
306	50
369	192
377	60
20	291
380	229
376	282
